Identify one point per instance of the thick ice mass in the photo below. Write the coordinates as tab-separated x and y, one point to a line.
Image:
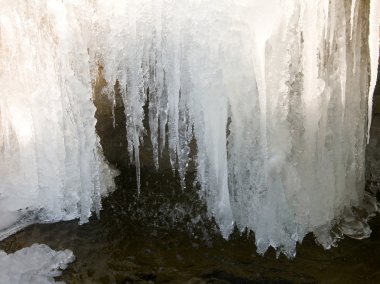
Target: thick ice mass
50	163
37	264
275	94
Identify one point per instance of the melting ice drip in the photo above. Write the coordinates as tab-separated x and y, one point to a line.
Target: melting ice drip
274	92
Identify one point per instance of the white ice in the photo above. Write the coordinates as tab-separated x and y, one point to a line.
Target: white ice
37	264
51	165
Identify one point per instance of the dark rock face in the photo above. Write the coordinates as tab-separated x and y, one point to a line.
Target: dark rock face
373	148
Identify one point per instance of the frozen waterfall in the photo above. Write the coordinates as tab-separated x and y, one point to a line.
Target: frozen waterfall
274	92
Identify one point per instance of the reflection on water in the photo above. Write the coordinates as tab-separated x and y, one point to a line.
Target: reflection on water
160	237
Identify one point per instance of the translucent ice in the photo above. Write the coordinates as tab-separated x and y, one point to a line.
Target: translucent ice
274	92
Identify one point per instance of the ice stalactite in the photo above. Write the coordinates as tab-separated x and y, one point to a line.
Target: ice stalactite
274	93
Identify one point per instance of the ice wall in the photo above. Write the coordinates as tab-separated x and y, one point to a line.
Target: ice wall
275	94
51	167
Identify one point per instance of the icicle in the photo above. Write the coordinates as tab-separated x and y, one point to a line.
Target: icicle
353	15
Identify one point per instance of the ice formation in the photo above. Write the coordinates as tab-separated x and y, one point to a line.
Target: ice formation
274	92
37	264
50	165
